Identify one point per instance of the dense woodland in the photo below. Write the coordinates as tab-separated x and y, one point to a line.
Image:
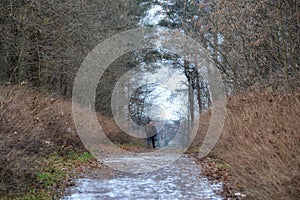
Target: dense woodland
44	42
255	44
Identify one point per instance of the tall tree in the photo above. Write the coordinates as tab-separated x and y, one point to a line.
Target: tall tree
45	42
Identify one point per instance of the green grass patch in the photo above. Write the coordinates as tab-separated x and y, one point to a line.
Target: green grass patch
131	145
47	178
222	166
56	167
84	157
193	150
50	175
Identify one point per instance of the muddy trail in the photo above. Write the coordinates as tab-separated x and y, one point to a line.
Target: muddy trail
181	179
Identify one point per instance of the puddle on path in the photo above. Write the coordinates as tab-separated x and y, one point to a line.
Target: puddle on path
179	180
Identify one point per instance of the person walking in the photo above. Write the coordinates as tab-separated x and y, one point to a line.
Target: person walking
151	132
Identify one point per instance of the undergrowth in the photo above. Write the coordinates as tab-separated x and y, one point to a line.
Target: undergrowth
260	142
51	174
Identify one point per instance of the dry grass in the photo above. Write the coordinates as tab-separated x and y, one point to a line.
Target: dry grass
115	134
261	144
33	125
260	141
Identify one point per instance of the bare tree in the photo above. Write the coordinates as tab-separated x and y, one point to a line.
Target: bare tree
45	42
253	43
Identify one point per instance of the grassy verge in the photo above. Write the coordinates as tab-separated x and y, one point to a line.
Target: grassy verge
52	174
260	142
133	146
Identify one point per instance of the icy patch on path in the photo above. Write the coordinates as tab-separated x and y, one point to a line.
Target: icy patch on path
142	162
179	180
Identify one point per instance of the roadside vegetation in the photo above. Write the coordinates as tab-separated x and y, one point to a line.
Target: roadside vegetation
53	174
254	44
259	145
40	151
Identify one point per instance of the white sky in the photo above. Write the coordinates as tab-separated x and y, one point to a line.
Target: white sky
154	15
169	79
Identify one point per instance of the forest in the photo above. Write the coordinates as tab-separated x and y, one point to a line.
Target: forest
237	78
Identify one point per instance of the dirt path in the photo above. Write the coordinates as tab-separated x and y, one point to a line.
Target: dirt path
179	180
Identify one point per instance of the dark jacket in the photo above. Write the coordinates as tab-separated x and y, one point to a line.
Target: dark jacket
150	130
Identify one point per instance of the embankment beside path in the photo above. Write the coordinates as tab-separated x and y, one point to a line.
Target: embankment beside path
260	144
